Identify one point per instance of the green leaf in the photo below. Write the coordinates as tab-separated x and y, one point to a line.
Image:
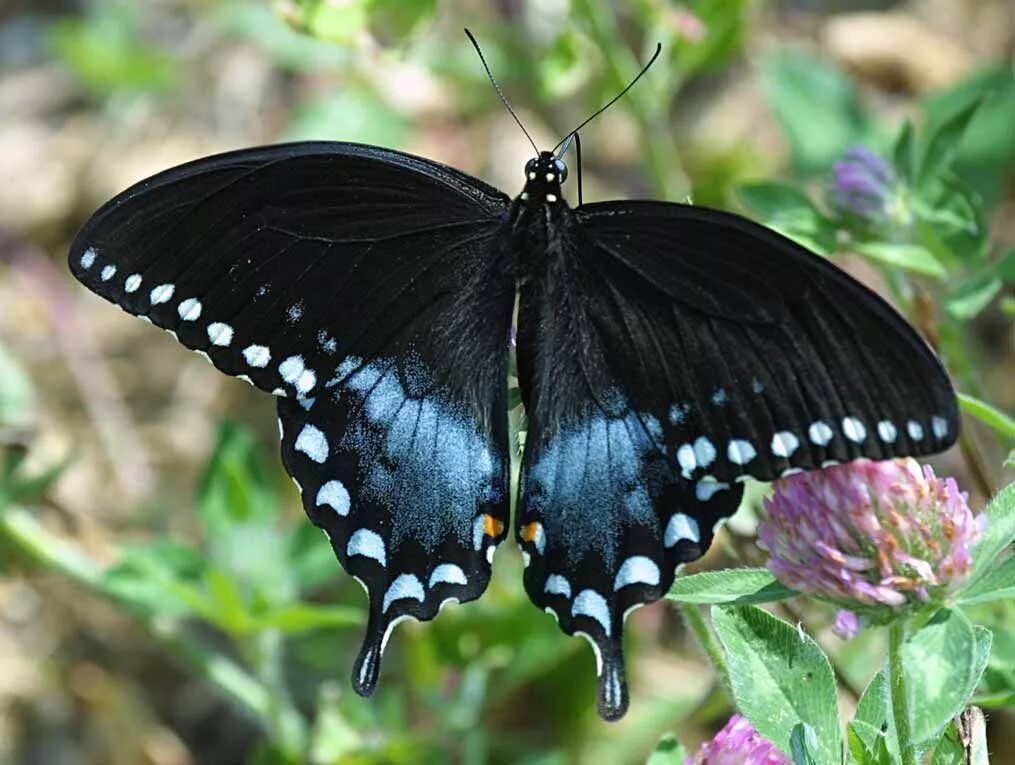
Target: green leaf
940	663
308	617
334	738
988	415
986	153
396	19
145	575
730	586
667	752
997	536
334	22
943	142
909	257
17	395
802	743
780	677
106	51
230	610
817	106
873	712
788	210
873	705
948	748
981	657
351	114
996	584
973	296
235	486
867	744
904	153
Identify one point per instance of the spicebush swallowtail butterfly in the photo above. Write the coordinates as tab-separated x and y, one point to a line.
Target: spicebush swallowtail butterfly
666	352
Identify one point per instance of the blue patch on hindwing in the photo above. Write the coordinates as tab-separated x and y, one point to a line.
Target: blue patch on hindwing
421	457
596	477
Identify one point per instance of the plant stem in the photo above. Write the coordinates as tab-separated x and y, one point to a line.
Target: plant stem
706	638
661	160
287	727
899	693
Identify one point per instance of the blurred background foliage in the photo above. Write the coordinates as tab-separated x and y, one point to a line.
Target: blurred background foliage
163	600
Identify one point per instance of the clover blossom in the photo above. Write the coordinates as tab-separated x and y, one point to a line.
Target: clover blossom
870	536
864	185
737	743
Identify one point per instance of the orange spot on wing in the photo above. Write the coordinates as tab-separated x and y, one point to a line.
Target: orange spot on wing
530	531
491	526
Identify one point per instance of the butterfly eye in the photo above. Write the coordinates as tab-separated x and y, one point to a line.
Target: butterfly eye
530	167
561	169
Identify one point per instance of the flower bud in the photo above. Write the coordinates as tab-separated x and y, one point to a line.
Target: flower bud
738	743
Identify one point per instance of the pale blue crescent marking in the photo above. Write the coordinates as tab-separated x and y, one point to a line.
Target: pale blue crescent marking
132	283
334	495
740	452
708	487
108	272
686	460
590	603
637	569
704	452
313	443
88	258
220	334
257	355
162	293
854	430
820	433
679	527
294	372
939	426
558	585
448	573
887	431
368	544
539	538
784	444
189	309
404	586
915	430
478	532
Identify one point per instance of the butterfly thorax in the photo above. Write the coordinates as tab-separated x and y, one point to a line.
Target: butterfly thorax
541	221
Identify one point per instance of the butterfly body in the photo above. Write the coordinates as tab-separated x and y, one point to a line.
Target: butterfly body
666	353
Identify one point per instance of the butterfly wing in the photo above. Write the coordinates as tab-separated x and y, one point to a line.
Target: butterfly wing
669	353
363	287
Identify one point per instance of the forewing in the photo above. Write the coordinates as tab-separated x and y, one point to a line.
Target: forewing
364	288
669	353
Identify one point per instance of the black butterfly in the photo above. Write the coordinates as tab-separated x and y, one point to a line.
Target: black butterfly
666	353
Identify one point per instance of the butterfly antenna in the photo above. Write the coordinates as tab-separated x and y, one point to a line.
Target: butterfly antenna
564	146
500	92
612	101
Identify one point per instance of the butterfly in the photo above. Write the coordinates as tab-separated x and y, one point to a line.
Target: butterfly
666	353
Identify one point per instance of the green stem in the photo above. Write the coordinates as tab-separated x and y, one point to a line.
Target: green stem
661	160
706	638
899	693
287	727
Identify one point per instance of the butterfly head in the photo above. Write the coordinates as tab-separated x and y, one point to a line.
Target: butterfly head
543	176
